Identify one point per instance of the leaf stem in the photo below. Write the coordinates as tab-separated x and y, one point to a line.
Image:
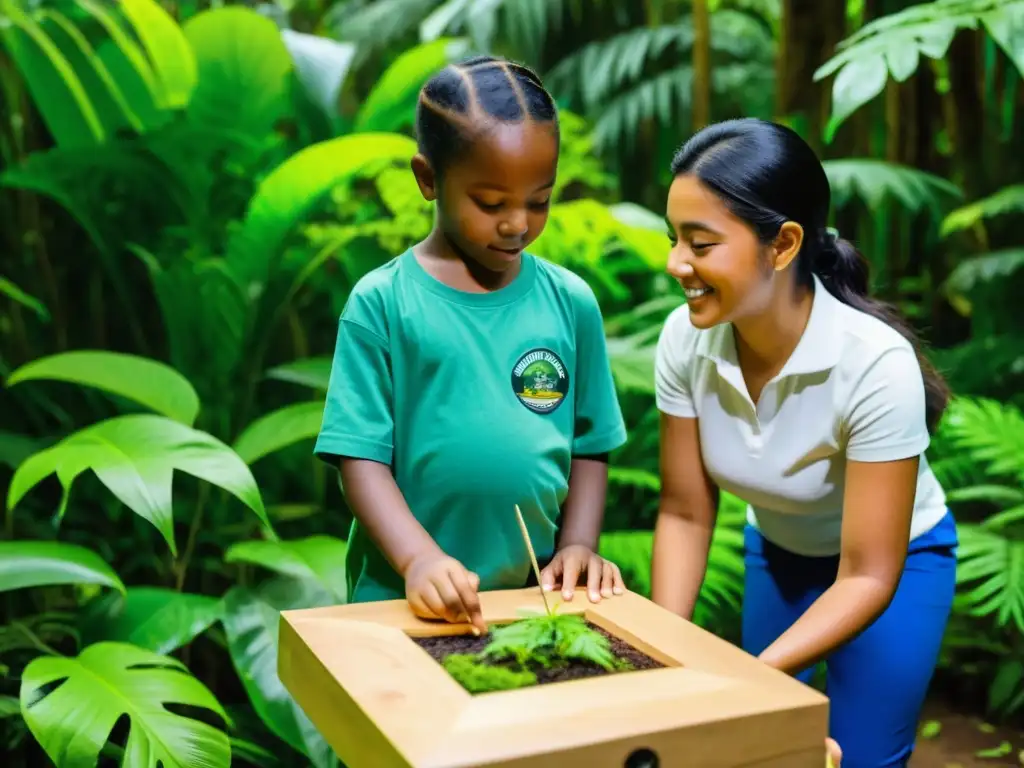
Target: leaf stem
181	569
34	639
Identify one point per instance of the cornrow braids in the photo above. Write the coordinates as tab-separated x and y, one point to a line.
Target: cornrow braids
459	101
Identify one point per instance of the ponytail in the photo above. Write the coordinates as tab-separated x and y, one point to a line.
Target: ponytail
846	274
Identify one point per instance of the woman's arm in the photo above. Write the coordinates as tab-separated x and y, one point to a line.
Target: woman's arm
687	512
877	507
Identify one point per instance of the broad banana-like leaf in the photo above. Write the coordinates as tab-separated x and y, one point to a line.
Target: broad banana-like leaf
174	64
55	88
148	382
244	70
294	187
72	720
135	457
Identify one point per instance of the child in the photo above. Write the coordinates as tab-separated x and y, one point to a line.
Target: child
469	376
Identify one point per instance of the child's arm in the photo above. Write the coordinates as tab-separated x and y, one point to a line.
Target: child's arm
357	436
582	516
599	430
436	585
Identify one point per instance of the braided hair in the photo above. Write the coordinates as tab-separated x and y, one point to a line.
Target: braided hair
463	99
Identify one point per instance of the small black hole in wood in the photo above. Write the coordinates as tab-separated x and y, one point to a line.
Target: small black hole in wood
642	758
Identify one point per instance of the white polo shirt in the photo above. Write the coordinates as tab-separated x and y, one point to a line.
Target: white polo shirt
851	389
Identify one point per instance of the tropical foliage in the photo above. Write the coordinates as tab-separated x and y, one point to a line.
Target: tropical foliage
189	192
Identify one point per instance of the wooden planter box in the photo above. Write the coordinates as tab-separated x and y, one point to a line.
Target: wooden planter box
381	700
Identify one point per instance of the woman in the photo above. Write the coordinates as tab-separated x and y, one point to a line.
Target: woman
782	382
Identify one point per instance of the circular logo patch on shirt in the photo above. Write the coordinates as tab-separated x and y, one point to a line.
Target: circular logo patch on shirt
540	380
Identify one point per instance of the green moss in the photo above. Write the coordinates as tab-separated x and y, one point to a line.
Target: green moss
479	677
515	650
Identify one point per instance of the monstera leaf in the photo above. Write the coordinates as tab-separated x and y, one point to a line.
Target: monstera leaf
135	457
279	429
74	719
155	618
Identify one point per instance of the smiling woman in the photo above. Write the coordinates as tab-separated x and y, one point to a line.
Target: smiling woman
784	383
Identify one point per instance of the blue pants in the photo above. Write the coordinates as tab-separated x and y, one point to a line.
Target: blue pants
877	682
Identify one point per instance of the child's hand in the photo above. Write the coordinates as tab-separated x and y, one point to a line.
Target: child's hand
565	569
834	755
440	587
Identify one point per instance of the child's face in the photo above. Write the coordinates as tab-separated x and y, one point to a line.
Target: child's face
493	201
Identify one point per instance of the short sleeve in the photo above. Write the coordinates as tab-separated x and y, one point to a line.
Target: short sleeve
886	419
600	427
358	420
672	363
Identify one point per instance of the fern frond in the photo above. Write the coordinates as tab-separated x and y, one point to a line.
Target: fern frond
1006	200
875	182
990	431
986	365
375	25
984	269
995	564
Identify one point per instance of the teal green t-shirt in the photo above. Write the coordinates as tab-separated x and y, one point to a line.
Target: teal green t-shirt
478	402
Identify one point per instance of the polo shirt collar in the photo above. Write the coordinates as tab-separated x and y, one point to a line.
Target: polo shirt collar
817	350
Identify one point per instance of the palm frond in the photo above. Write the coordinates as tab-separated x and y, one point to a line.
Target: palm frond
990	431
1006	200
994	564
876	182
984	269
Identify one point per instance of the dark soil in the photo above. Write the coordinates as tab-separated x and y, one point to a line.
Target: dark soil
440	647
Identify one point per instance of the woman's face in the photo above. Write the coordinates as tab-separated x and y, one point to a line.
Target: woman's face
724	270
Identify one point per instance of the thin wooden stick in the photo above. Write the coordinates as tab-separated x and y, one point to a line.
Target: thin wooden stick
533	558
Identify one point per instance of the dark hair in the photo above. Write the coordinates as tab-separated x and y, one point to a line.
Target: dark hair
456	103
767	175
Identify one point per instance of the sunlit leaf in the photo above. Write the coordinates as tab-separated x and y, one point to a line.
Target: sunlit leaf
1005	22
72	720
1006	200
391	104
279	429
320	558
984	269
146	381
155	618
251	625
135	457
244	70
294	187
173	62
26	564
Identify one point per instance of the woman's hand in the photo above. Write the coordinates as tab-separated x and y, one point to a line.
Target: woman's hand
439	587
564	570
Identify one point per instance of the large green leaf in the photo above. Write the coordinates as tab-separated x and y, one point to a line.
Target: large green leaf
319	558
294	187
73	720
251	623
55	88
391	104
279	429
128	65
157	619
314	372
1005	22
135	457
145	381
174	64
321	65
244	70
45	563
